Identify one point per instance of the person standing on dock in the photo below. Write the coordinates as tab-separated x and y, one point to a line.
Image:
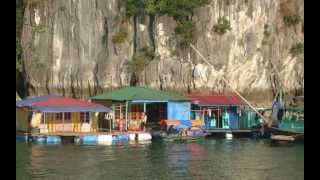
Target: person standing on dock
144	121
275	112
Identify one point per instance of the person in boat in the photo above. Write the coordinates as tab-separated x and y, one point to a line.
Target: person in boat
163	124
183	132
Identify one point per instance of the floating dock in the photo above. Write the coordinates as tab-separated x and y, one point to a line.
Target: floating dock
84	138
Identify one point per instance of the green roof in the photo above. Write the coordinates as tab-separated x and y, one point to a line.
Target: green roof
139	93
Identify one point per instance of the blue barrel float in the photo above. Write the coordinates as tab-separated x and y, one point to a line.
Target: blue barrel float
115	138
89	139
21	137
123	137
53	139
120	137
39	139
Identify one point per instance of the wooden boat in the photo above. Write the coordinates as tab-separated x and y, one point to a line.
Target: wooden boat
187	137
182	139
281	131
279	134
282	138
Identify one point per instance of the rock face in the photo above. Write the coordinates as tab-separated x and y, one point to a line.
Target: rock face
68	48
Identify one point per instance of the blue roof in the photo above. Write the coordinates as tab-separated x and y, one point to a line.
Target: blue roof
30	101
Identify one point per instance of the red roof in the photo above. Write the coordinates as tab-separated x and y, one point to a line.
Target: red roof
206	100
63	102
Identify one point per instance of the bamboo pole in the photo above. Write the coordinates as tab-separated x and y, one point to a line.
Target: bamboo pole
247	102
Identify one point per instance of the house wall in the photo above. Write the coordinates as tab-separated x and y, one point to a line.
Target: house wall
233	116
36	119
179	110
52	125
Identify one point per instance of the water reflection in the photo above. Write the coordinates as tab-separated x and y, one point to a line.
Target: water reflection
209	159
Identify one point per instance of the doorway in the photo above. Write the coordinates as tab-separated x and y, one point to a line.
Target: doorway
155	113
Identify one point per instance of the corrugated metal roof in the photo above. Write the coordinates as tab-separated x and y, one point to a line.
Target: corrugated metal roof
30	101
206	100
55	109
62	104
62	101
139	93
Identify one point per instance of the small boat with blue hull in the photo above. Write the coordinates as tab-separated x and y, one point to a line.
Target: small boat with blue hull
182	130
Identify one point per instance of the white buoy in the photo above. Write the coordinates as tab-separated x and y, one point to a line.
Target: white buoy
144	136
229	135
132	137
104	139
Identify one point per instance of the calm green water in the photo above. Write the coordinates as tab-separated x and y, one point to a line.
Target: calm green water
211	159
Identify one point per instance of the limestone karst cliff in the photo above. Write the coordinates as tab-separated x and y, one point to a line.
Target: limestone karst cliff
82	47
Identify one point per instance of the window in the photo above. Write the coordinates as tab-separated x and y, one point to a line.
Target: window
84	117
58	116
63	117
67	117
42	118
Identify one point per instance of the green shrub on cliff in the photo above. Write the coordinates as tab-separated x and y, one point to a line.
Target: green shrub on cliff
291	20
120	36
141	59
185	33
222	26
296	49
182	12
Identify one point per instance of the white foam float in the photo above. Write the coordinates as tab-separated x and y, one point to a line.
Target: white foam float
104	139
229	135
132	137
144	136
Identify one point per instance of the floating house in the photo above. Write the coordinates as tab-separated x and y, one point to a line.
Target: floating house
57	114
221	112
130	104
